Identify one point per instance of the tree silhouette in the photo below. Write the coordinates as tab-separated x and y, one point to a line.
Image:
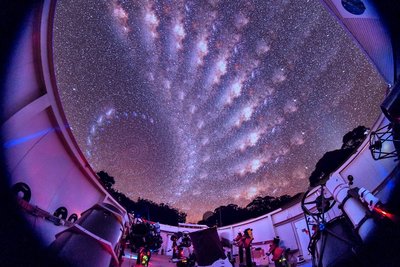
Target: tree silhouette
332	160
354	138
107	180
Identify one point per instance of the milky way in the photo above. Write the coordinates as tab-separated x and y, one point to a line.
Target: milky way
204	103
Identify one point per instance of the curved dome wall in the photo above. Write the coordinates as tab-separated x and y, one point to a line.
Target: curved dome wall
41	151
38	144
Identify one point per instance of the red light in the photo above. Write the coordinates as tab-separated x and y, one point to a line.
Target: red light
385	213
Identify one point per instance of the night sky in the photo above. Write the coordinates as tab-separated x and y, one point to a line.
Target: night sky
199	104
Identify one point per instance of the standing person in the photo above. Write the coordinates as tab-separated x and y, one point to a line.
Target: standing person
276	251
238	241
248	238
174	239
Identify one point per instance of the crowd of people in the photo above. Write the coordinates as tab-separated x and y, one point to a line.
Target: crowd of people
143	238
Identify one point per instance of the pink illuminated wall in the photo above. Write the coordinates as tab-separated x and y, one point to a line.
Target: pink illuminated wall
39	146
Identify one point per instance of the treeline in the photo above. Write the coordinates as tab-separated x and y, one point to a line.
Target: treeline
231	214
223	215
144	208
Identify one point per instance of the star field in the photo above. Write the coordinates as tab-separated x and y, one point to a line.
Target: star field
204	103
